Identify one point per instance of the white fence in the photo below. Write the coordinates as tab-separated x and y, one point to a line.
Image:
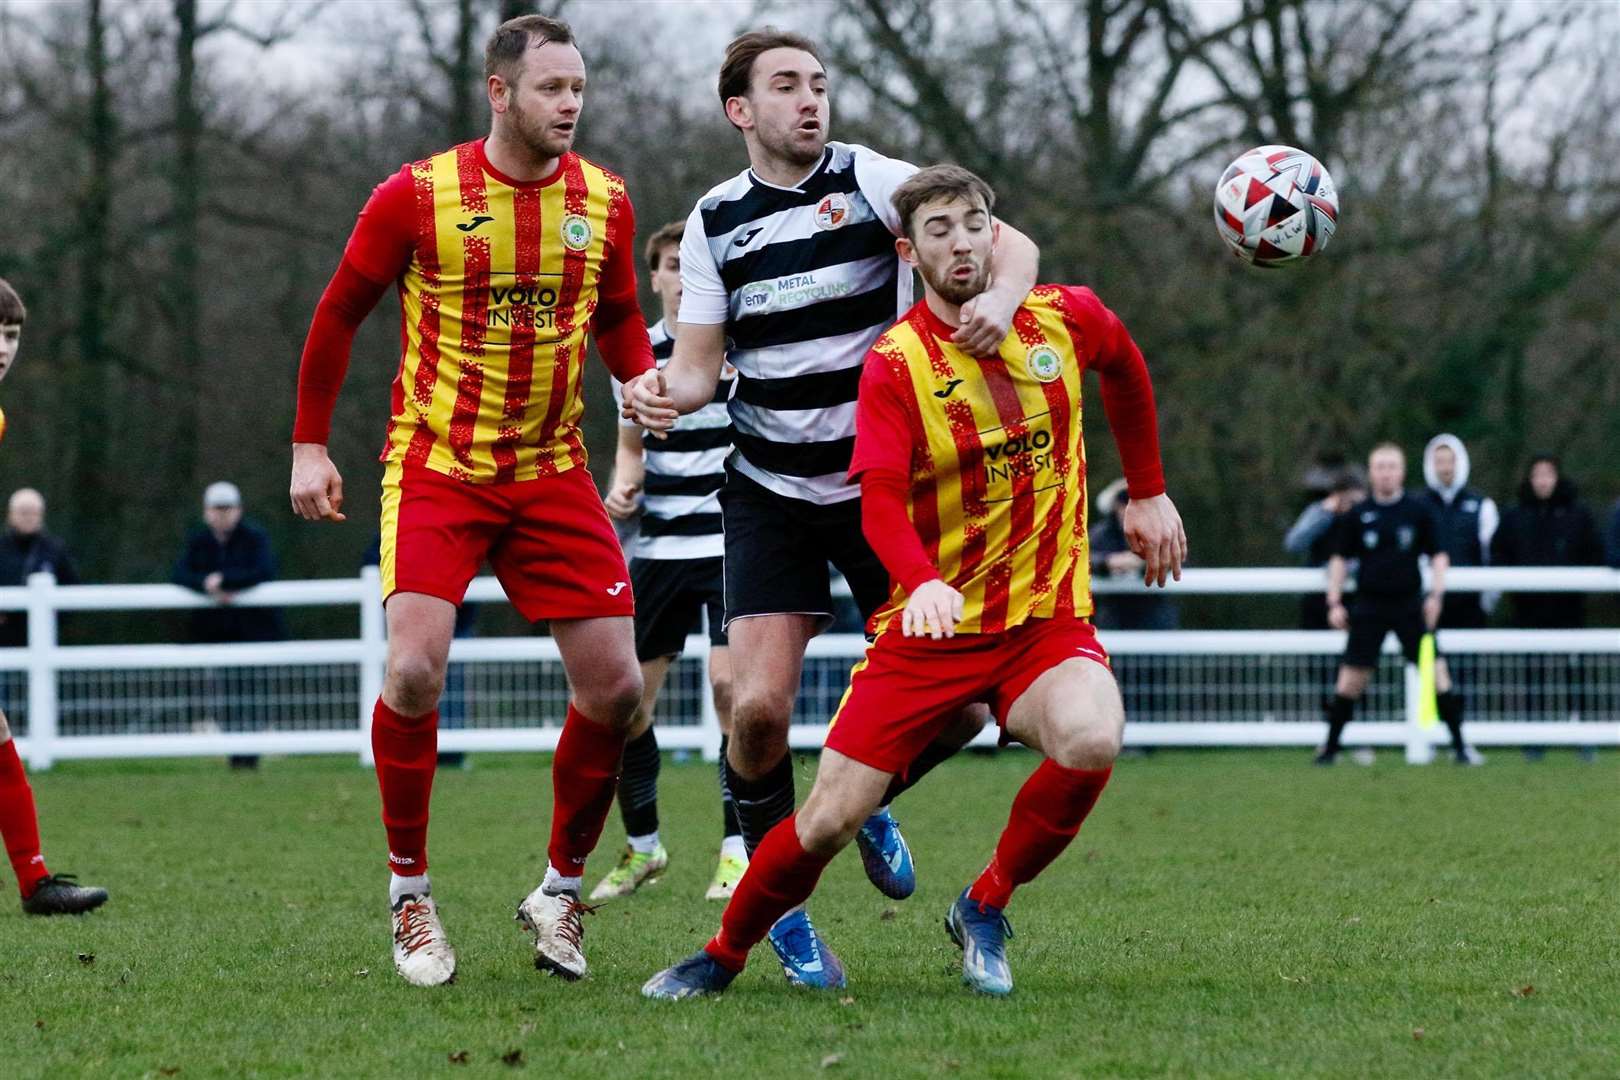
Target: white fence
1182	688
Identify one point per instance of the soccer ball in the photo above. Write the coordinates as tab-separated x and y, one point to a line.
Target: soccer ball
1276	205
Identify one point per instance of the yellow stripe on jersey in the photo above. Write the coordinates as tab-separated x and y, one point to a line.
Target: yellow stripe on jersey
998	489
497	301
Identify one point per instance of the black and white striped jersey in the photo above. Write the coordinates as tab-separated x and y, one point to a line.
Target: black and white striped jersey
804	278
680	510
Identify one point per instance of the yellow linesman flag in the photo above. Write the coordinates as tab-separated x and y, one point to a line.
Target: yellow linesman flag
1428	708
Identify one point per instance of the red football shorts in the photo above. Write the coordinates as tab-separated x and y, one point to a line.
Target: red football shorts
548	540
907	690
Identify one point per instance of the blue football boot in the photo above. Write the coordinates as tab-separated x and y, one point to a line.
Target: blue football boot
886	856
981	931
806	960
693	977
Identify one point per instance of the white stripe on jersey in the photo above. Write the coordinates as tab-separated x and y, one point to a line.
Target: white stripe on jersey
827	488
795	425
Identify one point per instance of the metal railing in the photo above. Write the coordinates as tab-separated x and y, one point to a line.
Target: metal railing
1182	688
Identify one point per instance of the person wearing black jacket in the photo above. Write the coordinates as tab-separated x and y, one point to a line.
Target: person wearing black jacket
1550	526
26	548
226	556
1387	534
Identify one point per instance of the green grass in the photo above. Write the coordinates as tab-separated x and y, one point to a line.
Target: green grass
1222	914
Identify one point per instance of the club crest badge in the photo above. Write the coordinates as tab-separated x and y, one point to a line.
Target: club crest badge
576	232
832	211
1045	364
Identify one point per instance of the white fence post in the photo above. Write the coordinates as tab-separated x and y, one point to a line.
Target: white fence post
1419	750
707	716
42	705
374	654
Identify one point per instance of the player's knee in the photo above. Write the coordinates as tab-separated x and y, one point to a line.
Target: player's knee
614	700
825	827
1086	745
415	681
756	714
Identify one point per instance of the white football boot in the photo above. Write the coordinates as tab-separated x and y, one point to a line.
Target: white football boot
555	921
422	955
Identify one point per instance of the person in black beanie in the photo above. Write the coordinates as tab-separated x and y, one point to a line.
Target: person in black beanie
1387	534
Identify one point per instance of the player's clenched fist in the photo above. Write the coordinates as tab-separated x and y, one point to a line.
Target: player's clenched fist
317	489
646	402
933	611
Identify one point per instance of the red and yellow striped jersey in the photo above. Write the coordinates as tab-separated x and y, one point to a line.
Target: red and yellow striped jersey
992	453
499	281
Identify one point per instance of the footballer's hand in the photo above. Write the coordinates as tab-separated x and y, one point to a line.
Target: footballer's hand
985	321
317	489
933	611
646	402
1153	529
622	500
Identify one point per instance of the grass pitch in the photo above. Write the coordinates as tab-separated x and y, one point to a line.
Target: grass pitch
1222	914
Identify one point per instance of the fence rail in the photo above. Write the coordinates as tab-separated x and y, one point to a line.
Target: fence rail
1182	688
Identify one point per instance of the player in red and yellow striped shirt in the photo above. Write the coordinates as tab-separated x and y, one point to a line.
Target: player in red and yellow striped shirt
43	893
507	253
973	495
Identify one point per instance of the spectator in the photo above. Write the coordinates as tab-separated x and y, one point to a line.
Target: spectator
1549	527
26	548
1467	521
222	558
1111	556
1311	537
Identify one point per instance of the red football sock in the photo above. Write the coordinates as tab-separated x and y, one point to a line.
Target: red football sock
781	876
584	778
406	748
19	824
1046	815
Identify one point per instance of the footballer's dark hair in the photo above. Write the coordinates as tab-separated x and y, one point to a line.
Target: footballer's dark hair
939	182
12	312
737	69
669	235
513	37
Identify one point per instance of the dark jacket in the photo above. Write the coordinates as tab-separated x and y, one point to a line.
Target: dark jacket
20	556
244	560
1558	531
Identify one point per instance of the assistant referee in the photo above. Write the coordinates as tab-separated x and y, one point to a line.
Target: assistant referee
1387	535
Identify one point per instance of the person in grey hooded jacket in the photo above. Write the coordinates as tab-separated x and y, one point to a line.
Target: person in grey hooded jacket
1467	521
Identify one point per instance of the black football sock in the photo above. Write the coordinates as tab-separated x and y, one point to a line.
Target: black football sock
638	785
728	805
1450	706
1338	710
762	803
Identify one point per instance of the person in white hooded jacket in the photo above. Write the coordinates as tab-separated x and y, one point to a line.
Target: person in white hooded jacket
1467	522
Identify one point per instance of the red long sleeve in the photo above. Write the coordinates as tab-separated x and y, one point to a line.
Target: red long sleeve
888	529
348	299
378	251
1127	390
621	332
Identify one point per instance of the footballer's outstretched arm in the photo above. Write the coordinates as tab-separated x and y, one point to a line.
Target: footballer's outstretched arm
685	384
